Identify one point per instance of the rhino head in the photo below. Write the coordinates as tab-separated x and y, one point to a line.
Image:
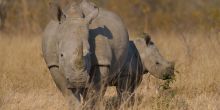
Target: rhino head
73	46
87	6
152	61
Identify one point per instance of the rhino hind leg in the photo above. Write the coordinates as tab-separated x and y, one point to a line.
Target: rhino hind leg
125	91
97	88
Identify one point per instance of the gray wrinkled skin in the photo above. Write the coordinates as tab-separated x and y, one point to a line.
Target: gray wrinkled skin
110	26
84	51
85	57
152	60
70	48
143	57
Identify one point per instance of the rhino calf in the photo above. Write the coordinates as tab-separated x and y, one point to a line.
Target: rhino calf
143	57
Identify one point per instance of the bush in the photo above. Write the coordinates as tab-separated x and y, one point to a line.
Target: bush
139	15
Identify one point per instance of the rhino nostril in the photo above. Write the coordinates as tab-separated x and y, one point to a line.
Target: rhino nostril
170	71
171	67
167	76
68	79
157	63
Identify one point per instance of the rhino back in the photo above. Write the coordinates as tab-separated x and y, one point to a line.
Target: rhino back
49	43
111	26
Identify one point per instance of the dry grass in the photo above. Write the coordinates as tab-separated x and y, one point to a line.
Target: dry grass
25	83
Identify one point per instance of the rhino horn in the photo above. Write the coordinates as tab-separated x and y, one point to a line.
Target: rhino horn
79	60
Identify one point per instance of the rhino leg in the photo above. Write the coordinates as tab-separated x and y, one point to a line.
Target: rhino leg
72	96
125	91
97	88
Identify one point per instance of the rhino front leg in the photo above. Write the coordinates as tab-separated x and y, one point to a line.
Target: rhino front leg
97	88
72	96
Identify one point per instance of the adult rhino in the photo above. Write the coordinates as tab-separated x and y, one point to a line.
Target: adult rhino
143	56
84	48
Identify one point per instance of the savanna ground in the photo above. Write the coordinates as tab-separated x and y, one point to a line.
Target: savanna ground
26	84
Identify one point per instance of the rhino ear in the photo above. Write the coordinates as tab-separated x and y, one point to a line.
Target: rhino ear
147	38
56	11
92	16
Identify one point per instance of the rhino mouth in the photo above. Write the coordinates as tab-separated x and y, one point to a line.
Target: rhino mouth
166	77
78	80
169	74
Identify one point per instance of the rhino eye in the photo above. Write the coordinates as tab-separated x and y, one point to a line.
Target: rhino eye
151	43
157	63
61	55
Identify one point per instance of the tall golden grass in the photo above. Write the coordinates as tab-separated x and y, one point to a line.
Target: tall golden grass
26	84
